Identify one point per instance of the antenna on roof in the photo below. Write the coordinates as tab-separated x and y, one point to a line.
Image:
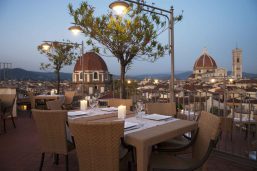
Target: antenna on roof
236	45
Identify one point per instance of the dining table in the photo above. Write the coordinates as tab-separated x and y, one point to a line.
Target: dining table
147	131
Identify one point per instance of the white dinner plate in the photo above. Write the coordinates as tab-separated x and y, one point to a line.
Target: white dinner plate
109	109
77	113
157	117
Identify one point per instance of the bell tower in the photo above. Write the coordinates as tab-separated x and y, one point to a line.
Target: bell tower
237	70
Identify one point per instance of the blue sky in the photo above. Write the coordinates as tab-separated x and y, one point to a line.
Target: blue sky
217	25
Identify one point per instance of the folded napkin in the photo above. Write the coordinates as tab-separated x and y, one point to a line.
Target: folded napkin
128	125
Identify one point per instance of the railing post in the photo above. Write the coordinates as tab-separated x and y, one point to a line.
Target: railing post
219	105
184	101
206	100
194	103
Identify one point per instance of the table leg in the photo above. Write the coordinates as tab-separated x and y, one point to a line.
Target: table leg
143	153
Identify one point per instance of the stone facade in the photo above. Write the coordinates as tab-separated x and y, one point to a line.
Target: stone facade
96	76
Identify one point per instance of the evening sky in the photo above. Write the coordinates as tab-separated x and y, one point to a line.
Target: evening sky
218	25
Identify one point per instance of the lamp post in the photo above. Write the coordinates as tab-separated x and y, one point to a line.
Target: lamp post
120	7
76	30
128	92
47	45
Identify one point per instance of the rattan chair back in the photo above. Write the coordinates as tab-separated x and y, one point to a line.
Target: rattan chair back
8	99
54	105
51	127
97	144
117	102
69	95
161	108
209	129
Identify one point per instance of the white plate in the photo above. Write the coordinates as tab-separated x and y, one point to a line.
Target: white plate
157	117
77	113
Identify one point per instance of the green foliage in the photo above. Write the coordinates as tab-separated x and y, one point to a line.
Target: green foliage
134	35
179	106
127	38
59	55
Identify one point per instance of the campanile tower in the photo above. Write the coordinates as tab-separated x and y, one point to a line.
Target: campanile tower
237	70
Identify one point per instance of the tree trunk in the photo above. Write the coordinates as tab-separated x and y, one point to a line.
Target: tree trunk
58	81
122	81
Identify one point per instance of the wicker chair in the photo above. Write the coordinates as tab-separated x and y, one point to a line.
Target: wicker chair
206	139
97	144
69	95
51	126
6	111
161	108
116	102
54	105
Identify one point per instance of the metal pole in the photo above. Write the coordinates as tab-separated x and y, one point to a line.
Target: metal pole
83	74
225	98
171	42
206	100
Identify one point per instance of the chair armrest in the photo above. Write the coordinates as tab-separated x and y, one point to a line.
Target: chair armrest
182	148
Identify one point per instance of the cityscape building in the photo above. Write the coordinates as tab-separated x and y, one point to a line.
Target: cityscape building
237	70
205	68
97	78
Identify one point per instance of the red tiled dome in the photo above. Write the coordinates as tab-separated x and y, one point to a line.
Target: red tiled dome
91	61
205	61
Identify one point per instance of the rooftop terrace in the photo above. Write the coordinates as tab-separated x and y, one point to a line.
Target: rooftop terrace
20	150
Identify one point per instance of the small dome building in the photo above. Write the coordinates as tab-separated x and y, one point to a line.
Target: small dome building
205	67
96	75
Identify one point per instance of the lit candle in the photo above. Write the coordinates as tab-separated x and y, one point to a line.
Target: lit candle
52	92
121	112
83	104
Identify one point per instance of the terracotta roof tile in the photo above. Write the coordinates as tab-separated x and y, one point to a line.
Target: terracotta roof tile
91	61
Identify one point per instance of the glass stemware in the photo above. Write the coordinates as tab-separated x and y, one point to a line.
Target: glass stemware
139	107
93	102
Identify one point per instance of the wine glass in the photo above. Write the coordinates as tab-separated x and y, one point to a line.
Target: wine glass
93	102
139	110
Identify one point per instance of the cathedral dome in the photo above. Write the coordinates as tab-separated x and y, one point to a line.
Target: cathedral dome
92	62
205	61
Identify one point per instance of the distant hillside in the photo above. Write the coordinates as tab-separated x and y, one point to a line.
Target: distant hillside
163	76
21	74
245	74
